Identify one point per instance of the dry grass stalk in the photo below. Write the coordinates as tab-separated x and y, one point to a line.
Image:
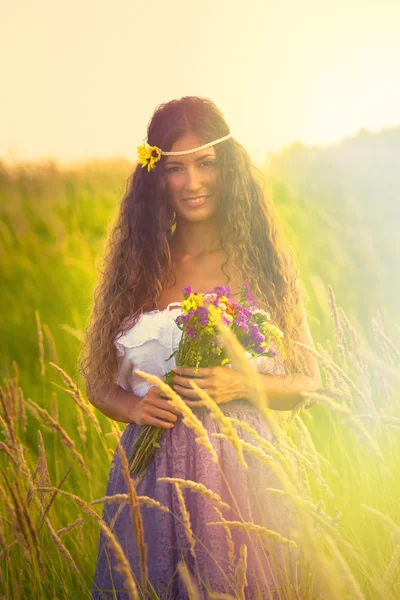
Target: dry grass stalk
40	344
78	523
241	578
352	420
15	449
197	487
381	419
35	413
54	406
355	592
282	475
251	378
394	565
60	546
134	510
123	563
65	439
259	530
317	515
390	524
186	520
5	553
322	398
304	451
116	432
342	377
326	361
82	428
41	468
344	320
303	460
124	498
307	445
3	543
7	450
22	412
223	421
231	546
8	425
50	343
5	502
266	445
10	399
389	344
380	336
340	338
76	395
188	416
22	525
193	593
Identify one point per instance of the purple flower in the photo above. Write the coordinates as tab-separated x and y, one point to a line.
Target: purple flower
202	315
242	325
225	320
255	334
245	341
222	290
191	332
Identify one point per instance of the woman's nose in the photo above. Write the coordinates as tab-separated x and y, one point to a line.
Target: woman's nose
193	182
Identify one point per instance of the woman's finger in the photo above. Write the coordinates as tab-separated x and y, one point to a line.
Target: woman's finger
194	403
162	403
160	413
190	391
185	382
149	420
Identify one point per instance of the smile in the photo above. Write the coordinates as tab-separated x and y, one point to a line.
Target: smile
196	201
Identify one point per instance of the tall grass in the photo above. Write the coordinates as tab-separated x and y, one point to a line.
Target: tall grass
338	462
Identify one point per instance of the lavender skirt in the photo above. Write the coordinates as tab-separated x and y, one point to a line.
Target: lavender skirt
164	533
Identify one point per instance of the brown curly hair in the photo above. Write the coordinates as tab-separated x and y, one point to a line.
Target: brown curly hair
138	262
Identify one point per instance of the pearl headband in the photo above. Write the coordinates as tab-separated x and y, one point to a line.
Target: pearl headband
149	155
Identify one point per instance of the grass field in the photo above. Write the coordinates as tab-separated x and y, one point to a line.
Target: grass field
347	447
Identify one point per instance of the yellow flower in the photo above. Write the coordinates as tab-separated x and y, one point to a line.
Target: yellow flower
192	302
148	155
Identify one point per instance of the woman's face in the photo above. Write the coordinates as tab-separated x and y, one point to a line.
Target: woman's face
191	176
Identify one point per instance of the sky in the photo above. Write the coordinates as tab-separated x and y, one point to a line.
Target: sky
81	79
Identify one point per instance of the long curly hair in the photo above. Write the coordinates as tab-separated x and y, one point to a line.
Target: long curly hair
138	262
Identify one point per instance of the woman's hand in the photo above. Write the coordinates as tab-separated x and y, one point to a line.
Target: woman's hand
154	410
222	384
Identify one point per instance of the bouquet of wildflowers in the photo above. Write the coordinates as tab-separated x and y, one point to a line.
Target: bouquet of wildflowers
200	346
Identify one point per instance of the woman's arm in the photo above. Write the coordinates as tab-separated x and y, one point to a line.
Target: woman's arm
283	391
117	404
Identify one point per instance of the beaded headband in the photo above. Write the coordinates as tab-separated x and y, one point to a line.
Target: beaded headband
149	155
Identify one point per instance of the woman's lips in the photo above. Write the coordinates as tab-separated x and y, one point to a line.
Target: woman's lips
197	201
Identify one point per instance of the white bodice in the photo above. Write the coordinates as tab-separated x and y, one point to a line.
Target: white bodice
148	344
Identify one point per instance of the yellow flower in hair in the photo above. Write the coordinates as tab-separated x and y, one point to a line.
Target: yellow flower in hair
148	156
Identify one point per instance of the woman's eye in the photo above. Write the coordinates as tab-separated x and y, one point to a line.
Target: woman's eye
207	163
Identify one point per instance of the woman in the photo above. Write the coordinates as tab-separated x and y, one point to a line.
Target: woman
193	215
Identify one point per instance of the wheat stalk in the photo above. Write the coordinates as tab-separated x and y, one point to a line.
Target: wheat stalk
241	579
189	418
197	487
